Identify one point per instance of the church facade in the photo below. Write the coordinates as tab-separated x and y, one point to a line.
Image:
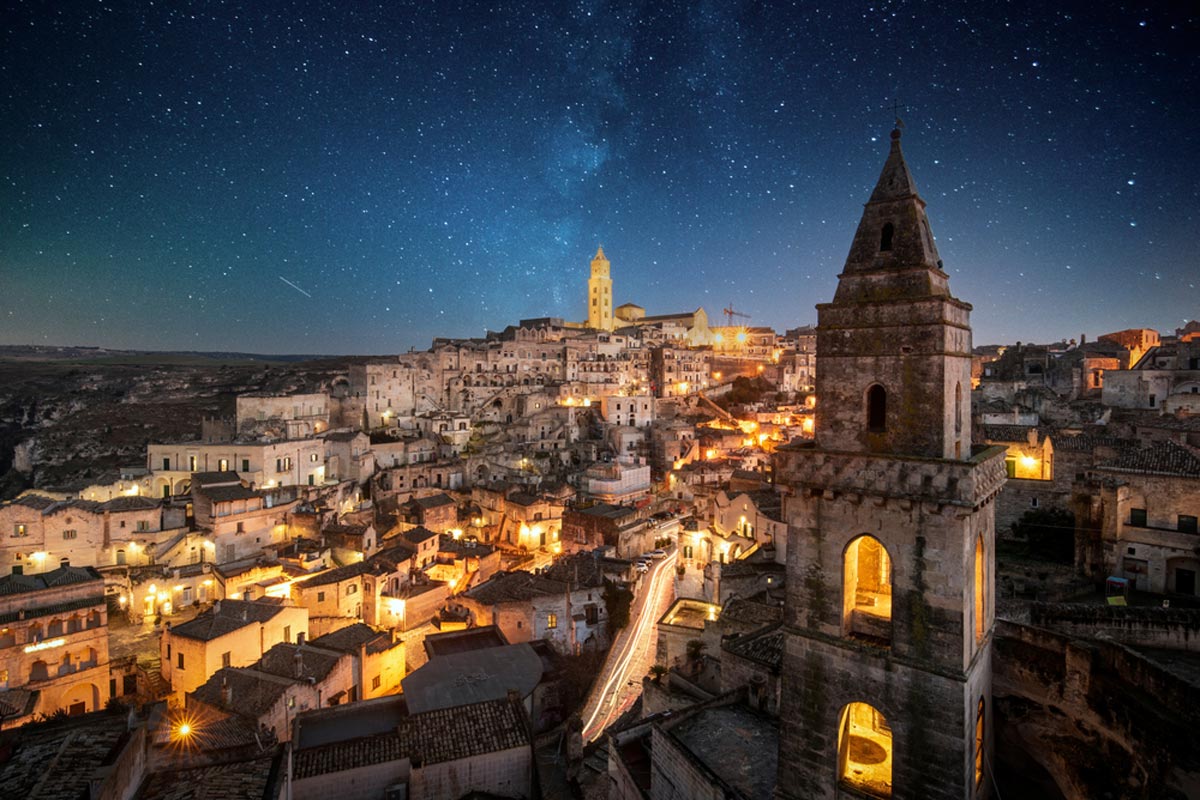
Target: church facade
890	609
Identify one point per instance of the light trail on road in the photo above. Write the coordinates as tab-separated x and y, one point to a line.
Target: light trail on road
618	669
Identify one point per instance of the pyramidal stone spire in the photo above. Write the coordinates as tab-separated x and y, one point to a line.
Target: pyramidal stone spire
894	333
893	254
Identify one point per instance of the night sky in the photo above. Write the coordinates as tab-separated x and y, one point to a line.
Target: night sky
333	178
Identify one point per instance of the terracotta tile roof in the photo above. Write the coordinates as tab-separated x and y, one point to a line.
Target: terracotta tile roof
337	574
254	692
1159	458
750	612
231	616
763	646
434	737
245	780
67	752
226	494
281	660
34	612
1086	443
349	638
418	535
434	501
62	576
130	503
34	501
1005	433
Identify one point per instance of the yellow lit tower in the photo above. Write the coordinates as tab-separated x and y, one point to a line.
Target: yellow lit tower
600	307
887	671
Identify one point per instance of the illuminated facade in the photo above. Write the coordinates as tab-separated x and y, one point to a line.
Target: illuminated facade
600	314
887	661
54	638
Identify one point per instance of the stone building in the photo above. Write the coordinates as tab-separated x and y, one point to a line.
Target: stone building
1136	518
284	416
564	604
600	302
233	633
54	639
378	749
1166	377
888	624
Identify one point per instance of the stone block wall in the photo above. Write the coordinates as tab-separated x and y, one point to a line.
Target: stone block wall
931	716
1094	716
1168	628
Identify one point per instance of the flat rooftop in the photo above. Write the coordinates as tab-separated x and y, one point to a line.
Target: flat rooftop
686	613
737	744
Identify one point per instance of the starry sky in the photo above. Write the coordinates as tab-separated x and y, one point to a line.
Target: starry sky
348	178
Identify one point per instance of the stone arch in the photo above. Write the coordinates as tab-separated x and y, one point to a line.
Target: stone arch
55	628
864	761
39	671
867	591
183	486
876	411
80	699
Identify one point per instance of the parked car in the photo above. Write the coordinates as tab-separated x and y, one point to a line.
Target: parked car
656	554
641	566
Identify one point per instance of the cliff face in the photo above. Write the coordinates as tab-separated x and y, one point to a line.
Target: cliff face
66	421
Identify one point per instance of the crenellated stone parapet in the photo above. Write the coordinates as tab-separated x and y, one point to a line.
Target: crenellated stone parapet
969	483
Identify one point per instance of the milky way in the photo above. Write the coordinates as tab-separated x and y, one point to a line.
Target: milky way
171	174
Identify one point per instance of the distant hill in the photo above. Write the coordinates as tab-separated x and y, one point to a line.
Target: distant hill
106	355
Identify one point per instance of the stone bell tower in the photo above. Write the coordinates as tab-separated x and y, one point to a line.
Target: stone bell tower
600	308
887	661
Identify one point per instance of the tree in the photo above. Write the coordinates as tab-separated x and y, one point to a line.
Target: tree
617	602
657	671
1050	533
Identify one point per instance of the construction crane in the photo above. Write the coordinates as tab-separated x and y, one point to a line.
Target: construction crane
730	314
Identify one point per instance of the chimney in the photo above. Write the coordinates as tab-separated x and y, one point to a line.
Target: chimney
216	608
245	615
1082	339
300	638
226	693
298	663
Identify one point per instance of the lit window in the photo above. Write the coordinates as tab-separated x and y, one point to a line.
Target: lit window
979	739
865	751
980	591
551	621
867	591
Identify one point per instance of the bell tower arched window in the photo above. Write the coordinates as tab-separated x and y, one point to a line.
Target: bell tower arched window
980	591
958	415
867	591
876	409
865	751
885	237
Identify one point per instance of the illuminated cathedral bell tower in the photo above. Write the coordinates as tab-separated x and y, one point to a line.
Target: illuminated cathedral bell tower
600	308
887	661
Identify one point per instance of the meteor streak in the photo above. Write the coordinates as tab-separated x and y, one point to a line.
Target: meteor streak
294	286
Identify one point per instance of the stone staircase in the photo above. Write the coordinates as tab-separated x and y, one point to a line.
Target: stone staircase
156	685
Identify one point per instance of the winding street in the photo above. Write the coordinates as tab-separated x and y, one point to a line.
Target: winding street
632	653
